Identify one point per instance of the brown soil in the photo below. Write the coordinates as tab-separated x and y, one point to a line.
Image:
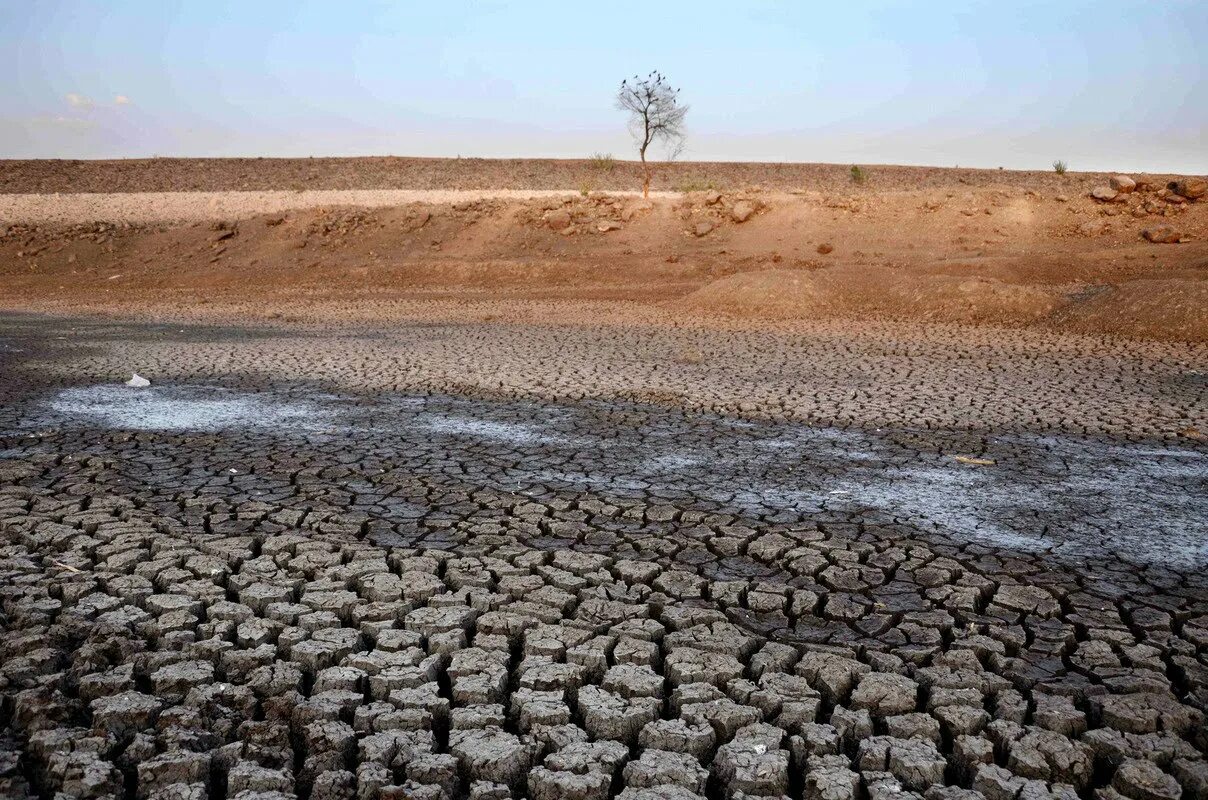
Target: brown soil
932	245
244	174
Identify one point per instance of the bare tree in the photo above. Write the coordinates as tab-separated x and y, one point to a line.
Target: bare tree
655	115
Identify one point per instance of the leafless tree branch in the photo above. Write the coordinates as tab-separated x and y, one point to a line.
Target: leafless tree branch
655	115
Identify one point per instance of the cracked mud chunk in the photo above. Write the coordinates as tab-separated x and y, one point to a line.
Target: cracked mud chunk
546	784
492	754
753	762
666	792
884	694
832	674
830	778
174	768
1147	713
1050	756
1143	780
915	762
686	665
1027	599
610	716
662	768
124	714
679	736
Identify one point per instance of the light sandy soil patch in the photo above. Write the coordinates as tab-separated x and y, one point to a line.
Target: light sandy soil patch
155	207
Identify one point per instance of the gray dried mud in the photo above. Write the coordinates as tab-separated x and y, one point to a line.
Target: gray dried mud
300	565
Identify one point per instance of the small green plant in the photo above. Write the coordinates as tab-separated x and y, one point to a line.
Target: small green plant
858	175
586	188
603	162
1059	167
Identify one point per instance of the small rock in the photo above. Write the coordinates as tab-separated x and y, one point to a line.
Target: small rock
608	225
703	228
1163	234
1104	194
713	197
138	381
1191	188
558	220
742	211
1123	184
825	248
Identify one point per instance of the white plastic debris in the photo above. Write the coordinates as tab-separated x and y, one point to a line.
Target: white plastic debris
138	381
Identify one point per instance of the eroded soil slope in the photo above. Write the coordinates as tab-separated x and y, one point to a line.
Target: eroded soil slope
971	252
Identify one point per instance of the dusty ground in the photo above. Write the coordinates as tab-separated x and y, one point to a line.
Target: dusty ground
554	496
294	174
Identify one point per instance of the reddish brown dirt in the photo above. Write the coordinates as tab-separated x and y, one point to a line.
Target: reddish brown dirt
969	247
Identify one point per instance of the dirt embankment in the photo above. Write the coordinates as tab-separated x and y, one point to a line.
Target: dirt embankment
969	253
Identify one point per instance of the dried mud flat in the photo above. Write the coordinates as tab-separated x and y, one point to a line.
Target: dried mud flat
343	562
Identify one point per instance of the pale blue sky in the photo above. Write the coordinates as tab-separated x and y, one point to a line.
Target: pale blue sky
1103	84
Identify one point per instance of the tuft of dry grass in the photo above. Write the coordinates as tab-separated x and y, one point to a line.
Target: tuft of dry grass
603	162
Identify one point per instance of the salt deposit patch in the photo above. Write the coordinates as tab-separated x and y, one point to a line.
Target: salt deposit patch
184	409
507	432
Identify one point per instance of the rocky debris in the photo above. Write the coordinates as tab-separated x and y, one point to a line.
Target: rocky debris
590	214
707	212
334	226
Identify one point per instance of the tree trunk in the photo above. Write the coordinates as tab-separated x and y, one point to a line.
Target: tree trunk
645	174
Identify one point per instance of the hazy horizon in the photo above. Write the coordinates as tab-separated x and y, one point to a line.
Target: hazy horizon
1112	85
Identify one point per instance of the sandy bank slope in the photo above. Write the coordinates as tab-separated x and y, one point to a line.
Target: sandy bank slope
1018	258
151	207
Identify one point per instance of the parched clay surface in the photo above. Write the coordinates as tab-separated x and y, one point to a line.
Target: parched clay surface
302	564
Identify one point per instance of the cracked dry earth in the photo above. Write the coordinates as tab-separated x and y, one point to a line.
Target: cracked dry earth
241	584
